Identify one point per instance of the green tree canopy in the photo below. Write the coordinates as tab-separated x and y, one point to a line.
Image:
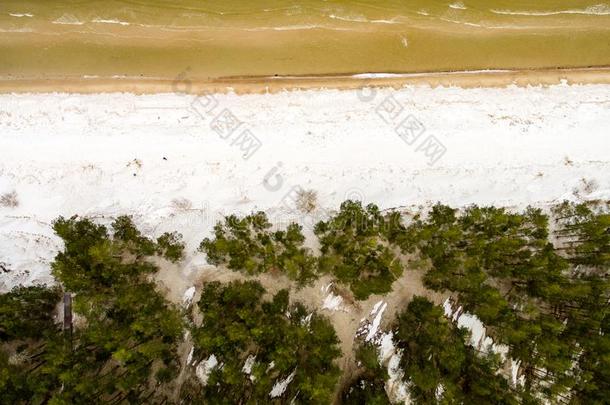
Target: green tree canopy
124	345
278	340
439	366
26	312
355	249
248	245
367	387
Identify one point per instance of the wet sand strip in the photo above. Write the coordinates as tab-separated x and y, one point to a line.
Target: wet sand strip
267	84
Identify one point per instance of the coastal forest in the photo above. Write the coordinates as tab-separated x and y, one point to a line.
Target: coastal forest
536	279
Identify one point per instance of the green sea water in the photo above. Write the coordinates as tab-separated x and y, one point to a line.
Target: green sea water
57	39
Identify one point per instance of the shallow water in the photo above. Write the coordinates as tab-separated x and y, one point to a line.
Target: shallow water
56	39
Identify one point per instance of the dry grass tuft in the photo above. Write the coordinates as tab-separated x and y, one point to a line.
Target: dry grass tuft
307	201
182	204
9	200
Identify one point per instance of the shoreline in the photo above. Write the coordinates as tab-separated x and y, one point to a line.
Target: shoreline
275	84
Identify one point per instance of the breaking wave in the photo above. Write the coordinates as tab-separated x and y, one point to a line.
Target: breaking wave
68	19
102	21
598	9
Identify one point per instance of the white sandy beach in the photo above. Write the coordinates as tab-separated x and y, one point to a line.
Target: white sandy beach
158	158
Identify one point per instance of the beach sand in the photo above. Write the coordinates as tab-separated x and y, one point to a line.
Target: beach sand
162	160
